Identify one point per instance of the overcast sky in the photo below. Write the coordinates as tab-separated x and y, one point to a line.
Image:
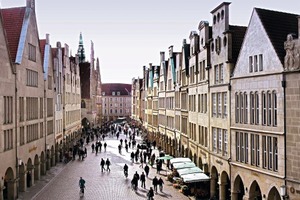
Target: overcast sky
129	34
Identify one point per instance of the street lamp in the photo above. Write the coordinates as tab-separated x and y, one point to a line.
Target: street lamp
283	192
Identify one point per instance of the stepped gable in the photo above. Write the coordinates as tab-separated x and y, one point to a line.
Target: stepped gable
12	23
278	25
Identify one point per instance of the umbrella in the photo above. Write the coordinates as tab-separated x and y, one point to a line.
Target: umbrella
192	178
192	170
166	157
184	165
180	159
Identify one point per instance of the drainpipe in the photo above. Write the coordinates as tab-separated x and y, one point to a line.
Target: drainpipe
283	84
16	132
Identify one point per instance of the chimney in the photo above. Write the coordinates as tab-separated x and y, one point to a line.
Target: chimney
47	38
162	56
171	51
30	4
298	26
184	42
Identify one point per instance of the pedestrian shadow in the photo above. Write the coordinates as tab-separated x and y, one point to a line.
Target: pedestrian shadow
165	195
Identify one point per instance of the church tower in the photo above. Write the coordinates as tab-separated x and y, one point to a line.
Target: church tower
80	51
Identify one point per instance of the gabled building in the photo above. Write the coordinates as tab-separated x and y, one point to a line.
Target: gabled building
225	44
90	79
259	91
26	138
116	101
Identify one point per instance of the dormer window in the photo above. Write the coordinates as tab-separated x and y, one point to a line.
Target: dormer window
222	14
118	93
113	93
103	93
215	19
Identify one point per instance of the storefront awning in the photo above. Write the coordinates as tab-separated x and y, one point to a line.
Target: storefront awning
193	178
192	170
180	160
183	165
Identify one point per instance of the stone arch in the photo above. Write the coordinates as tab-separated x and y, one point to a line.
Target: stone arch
56	152
186	153
36	168
238	188
225	187
48	159
195	158
214	186
52	156
254	191
22	177
191	154
9	183
43	164
274	194
29	174
200	165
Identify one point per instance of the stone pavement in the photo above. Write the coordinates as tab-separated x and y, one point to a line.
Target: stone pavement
61	181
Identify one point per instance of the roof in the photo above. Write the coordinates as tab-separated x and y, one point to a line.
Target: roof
12	23
123	88
42	46
278	25
238	34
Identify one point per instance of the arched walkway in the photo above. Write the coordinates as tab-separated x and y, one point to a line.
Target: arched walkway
274	194
254	192
36	168
9	184
22	185
200	165
214	187
224	186
43	164
195	159
52	156
238	191
29	174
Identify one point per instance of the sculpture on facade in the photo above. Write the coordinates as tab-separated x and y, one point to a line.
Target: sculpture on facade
291	59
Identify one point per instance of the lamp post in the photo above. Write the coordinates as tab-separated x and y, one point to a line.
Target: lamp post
283	192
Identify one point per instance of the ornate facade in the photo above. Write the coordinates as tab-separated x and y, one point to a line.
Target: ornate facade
229	101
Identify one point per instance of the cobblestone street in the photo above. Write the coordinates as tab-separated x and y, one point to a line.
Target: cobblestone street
107	185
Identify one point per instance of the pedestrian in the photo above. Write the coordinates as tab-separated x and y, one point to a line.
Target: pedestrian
105	145
100	146
103	136
154	183
126	147
129	144
132	156
93	147
142	162
137	176
147	168
107	164
160	183
121	141
143	180
150	194
102	163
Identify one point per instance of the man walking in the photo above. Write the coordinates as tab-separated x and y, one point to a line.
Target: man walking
147	168
102	163
143	180
154	183
107	164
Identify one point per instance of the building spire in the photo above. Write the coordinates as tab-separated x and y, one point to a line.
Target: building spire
80	51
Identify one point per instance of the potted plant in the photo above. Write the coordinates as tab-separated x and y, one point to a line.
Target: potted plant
185	189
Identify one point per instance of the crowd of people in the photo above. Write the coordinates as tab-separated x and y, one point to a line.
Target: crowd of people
141	153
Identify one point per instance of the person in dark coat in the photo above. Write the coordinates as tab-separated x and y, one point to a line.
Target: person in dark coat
143	180
147	168
107	164
102	163
155	183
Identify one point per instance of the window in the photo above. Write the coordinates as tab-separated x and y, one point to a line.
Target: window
224	104
8	109
242	147
22	109
241	108
245	108
219	74
264	110
113	93
237	142
255	63
256	108
274	105
237	108
214	108
214	140
219	99
225	142
50	82
31	52
252	108
261	67
250	64
8	139
220	140
264	148
31	78
216	74
22	136
246	148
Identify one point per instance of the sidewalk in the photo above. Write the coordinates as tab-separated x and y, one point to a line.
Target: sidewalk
39	185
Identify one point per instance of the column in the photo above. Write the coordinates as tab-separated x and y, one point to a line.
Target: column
234	195
222	190
213	182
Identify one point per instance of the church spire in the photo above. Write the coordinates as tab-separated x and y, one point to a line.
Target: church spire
80	51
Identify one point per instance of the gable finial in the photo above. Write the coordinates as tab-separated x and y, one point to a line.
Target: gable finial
30	4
